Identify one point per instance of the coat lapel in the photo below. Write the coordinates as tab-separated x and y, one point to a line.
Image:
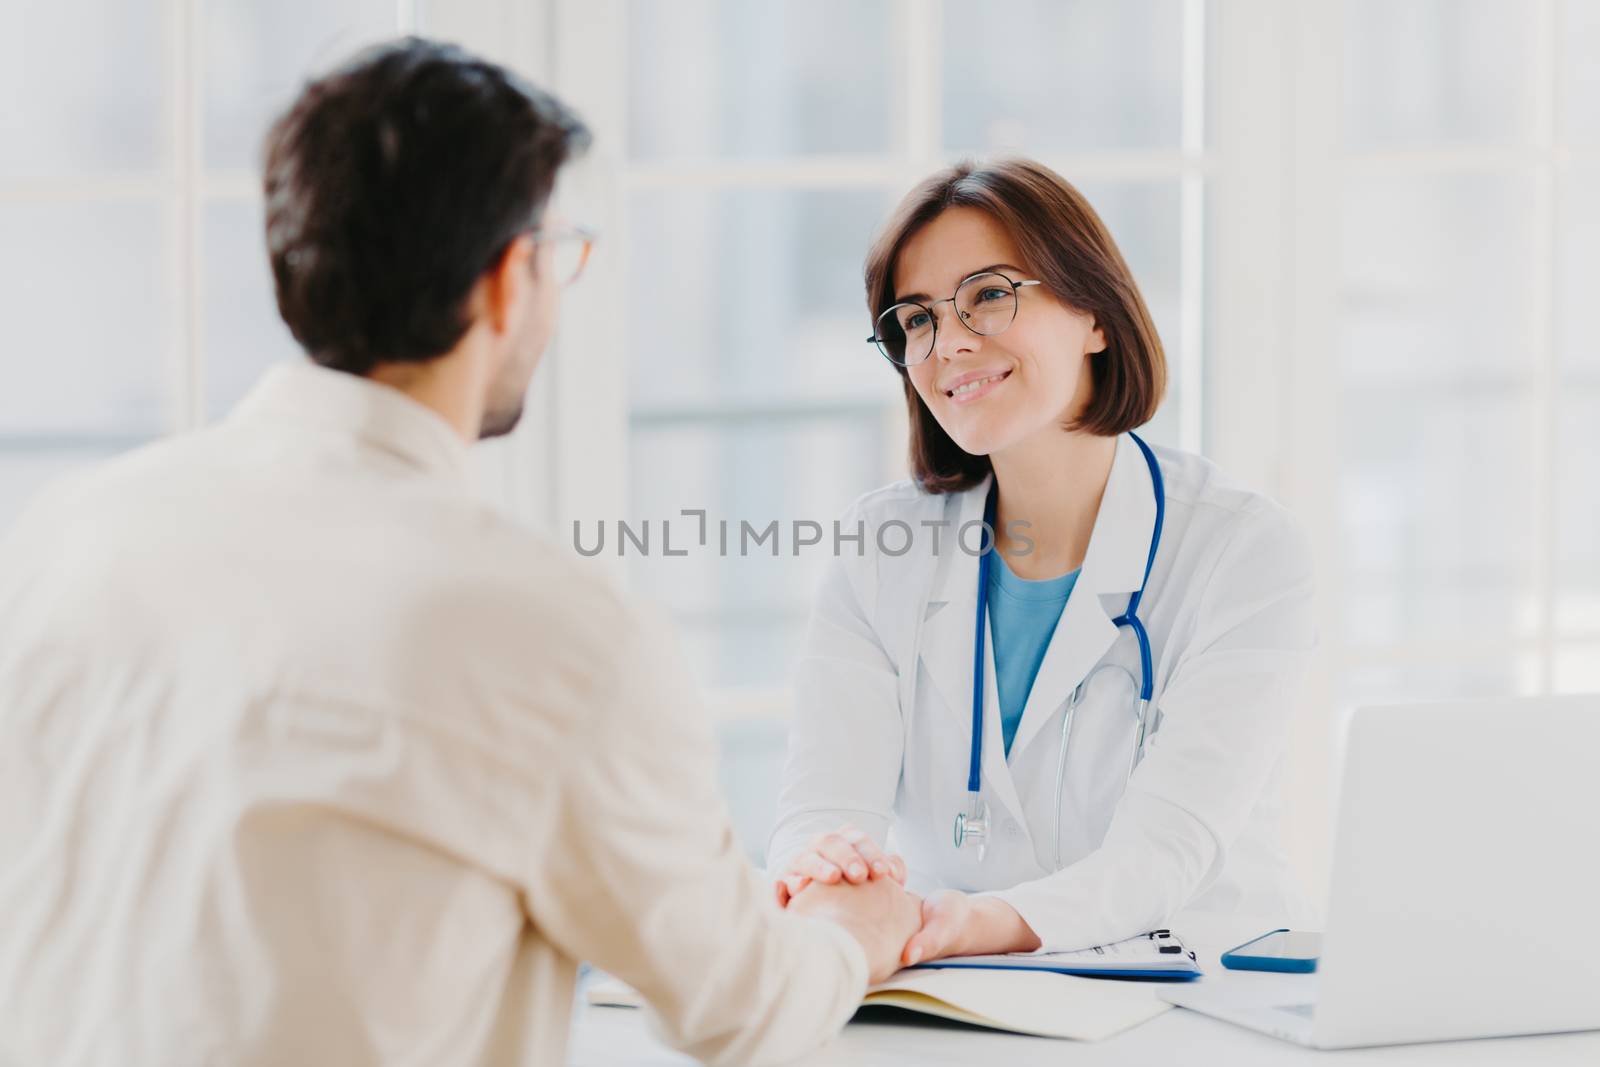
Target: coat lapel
1082	636
946	651
1113	567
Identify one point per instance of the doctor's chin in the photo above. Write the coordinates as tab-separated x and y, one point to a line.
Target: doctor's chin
538	532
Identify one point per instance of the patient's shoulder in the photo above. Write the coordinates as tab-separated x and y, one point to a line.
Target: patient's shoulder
521	579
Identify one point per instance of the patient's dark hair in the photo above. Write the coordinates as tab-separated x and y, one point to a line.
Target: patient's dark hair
392	184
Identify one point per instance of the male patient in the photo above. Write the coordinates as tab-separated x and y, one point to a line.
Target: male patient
309	757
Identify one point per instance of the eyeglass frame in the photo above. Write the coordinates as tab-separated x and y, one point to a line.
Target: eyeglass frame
540	234
951	299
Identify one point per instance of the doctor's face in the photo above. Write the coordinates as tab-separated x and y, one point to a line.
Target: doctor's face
1033	377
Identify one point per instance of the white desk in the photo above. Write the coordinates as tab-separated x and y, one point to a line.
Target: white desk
605	1036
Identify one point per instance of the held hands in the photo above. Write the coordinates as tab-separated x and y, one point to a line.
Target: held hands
845	877
879	914
896	929
846	855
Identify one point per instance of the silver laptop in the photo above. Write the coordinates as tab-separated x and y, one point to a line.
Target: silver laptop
1465	891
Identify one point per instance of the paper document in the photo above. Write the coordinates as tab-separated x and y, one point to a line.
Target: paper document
1033	1002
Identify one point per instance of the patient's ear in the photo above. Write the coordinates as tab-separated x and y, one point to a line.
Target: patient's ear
507	285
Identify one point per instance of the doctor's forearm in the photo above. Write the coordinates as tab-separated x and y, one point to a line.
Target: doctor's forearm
994	926
1154	859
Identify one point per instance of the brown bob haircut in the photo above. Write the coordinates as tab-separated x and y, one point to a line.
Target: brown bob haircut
1066	246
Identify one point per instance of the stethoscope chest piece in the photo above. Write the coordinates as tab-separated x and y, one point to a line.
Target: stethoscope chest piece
972	826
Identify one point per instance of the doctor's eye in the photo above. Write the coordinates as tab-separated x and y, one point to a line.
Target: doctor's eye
915	320
993	292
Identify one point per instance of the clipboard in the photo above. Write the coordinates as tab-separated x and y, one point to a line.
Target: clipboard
1159	956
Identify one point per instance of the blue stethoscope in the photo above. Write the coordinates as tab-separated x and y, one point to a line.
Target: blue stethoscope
972	825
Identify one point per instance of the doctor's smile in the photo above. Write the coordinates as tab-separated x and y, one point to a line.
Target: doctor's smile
970	387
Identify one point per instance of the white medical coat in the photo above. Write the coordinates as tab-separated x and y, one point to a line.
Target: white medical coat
882	728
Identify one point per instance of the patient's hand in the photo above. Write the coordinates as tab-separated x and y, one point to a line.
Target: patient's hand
845	855
957	924
878	913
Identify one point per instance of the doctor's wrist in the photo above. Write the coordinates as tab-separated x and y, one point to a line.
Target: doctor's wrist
993	926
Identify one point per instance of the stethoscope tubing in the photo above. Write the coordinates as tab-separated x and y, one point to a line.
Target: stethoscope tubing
975	817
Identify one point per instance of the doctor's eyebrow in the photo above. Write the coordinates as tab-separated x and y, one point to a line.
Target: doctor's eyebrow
911	298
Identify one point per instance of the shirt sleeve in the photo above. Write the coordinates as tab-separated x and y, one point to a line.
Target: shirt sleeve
1225	716
640	875
846	738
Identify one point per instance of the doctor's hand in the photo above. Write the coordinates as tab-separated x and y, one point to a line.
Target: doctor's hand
878	914
845	855
957	924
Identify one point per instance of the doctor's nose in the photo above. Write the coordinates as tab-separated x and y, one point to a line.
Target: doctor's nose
952	339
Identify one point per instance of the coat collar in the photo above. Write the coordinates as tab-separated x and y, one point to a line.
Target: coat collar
379	415
1119	545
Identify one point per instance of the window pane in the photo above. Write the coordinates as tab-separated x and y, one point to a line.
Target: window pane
1578	273
244	334
1577	669
83	88
1438	72
752	294
1436	416
1579	95
743	614
1437	284
1145	220
1578	453
258	55
1042	76
1578	514
88	305
1437	515
24	474
721	78
750	773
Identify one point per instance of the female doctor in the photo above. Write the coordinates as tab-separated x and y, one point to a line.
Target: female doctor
1066	739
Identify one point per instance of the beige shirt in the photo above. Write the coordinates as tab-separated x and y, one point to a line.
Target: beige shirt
308	756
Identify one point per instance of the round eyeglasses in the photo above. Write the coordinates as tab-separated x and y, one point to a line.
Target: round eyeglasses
986	303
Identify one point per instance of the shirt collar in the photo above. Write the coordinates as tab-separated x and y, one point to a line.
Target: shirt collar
379	415
1033	590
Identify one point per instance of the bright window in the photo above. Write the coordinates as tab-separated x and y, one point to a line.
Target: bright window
765	144
1467	381
133	274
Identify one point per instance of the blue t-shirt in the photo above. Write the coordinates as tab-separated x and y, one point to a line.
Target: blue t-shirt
1022	617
